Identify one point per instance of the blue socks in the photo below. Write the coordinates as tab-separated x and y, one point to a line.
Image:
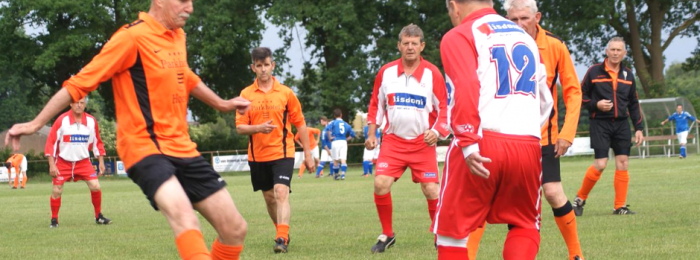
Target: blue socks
320	168
366	167
683	151
343	169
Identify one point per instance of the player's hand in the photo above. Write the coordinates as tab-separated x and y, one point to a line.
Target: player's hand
17	131
309	161
663	122
429	137
266	127
476	165
560	147
371	143
605	105
102	169
240	104
53	171
638	137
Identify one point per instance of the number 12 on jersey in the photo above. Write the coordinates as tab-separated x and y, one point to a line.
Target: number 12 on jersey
523	62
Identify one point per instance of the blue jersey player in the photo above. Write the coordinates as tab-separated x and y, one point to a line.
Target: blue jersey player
339	132
369	155
681	119
325	149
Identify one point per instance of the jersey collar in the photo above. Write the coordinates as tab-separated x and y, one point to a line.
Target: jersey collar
275	85
156	26
83	118
418	73
541	39
478	14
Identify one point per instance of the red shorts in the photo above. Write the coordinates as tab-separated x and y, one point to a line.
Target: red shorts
80	170
397	154
511	194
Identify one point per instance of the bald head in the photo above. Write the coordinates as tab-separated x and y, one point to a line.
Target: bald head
459	9
172	14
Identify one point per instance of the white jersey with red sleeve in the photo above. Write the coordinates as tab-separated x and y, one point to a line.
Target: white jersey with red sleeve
411	104
72	141
495	78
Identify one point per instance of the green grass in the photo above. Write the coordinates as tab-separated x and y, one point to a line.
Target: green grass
337	220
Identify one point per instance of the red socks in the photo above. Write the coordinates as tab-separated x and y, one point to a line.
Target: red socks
521	244
452	253
432	207
55	206
97	201
384	209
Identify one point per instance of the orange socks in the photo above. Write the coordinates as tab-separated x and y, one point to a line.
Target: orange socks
220	251
302	169
622	178
566	221
24	181
473	241
592	176
282	231
190	245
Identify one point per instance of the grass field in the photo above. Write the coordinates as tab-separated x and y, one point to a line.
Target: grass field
337	220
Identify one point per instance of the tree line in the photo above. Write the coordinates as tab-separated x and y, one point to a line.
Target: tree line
44	42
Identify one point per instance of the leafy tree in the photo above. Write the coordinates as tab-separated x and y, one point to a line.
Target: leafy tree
66	34
642	23
350	41
682	83
693	62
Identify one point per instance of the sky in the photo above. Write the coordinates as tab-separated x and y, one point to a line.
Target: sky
679	50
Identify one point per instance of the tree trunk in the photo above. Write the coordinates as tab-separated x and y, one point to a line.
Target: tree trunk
655	50
637	48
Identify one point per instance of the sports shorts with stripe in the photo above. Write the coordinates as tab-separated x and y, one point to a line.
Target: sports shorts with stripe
510	195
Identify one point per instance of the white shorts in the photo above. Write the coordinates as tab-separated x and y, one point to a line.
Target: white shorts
325	157
339	150
368	155
682	137
314	153
376	152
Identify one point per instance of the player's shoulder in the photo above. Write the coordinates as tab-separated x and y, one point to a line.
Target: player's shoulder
61	117
394	63
434	69
553	38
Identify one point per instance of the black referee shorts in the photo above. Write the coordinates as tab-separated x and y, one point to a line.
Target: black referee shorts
550	165
606	134
264	175
196	176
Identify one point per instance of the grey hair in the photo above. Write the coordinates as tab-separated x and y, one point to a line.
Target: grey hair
411	30
520	4
616	39
447	2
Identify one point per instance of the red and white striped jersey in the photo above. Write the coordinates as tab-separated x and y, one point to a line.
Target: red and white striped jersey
72	141
496	79
411	104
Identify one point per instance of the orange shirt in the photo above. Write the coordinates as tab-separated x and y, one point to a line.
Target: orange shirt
281	106
313	141
557	61
16	161
152	81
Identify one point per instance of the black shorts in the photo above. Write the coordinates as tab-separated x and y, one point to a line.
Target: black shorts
606	134
196	176
264	175
550	165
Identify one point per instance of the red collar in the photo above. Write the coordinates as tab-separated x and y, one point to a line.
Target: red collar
418	73
83	119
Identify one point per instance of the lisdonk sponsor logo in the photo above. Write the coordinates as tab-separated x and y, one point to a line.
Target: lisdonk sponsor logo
499	27
430	175
75	138
405	99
